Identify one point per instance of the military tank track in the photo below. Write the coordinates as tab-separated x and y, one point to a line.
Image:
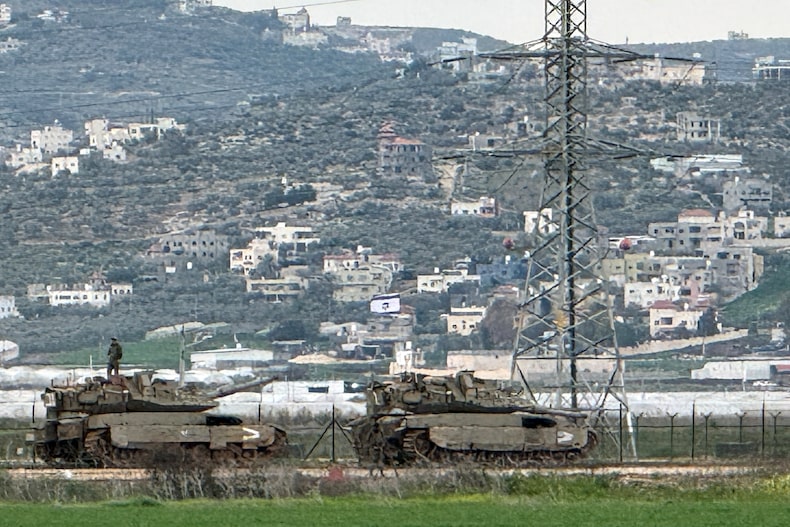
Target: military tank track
417	450
424	420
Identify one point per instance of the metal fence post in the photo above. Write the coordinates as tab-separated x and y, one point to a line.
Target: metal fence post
740	415
672	434
620	421
762	429
693	427
706	417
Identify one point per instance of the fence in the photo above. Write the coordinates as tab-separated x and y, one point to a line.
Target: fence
750	432
762	431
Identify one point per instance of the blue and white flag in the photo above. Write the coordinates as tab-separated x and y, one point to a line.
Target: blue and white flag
385	303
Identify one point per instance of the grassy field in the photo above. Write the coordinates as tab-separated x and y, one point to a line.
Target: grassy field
472	510
459	499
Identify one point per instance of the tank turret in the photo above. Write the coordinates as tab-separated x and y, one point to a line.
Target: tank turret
447	419
142	421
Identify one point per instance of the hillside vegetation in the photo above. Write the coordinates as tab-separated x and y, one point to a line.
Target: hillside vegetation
311	117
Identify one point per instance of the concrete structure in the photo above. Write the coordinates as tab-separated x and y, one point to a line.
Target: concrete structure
398	156
10	44
540	222
700	229
8	351
484	207
5	14
269	242
669	72
694	128
782	227
457	56
464	320
8	306
361	283
191	244
228	358
335	263
73	296
667	318
733	270
297	22
751	193
699	165
22	156
290	282
478	141
70	163
771	69
646	294
293	237
440	281
51	139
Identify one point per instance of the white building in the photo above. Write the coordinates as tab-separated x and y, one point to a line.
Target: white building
8	306
484	207
539	221
22	156
50	139
87	295
666	317
645	294
70	163
5	14
440	281
464	320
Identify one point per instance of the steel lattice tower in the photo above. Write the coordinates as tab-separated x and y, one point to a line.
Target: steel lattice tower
566	316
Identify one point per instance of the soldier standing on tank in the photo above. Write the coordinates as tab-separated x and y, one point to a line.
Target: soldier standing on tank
114	355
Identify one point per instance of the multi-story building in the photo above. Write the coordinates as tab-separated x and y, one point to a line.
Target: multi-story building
698	229
771	68
399	156
190	245
451	55
361	283
645	294
50	139
290	283
694	128
299	21
749	193
22	156
270	241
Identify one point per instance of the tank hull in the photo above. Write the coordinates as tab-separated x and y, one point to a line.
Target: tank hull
108	425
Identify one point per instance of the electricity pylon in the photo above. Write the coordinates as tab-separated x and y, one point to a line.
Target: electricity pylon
565	342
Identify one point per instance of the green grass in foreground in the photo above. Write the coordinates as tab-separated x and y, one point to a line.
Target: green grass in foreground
457	510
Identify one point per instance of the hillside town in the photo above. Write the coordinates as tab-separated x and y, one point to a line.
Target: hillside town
668	278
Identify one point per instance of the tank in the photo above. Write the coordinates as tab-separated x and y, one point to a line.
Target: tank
421	419
138	421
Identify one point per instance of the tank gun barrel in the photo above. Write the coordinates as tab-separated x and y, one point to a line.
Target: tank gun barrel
230	389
